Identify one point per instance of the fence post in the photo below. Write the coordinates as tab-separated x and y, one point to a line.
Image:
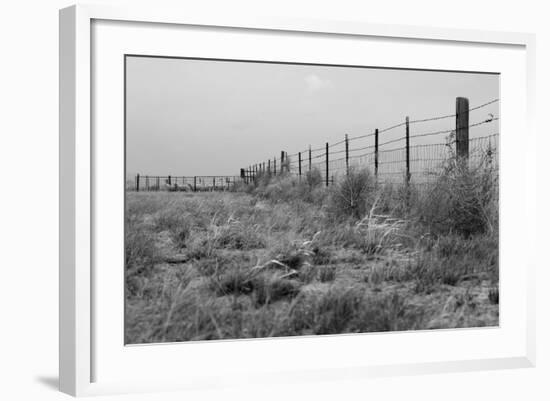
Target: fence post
147	182
158	183
137	182
282	160
195	183
462	127
309	157
326	165
376	154
269	166
214	183
347	155
407	145
300	164
287	162
274	166
169	180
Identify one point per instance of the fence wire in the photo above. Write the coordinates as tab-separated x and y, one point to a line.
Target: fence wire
382	152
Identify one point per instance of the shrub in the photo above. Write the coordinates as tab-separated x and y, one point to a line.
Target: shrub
353	195
313	178
463	200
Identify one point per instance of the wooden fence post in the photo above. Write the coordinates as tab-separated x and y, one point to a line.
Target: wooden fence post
195	183
462	127
376	154
274	166
309	157
214	183
269	166
282	160
137	182
407	145
300	164
347	155
326	165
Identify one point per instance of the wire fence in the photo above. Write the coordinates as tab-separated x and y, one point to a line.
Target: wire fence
410	151
403	151
182	183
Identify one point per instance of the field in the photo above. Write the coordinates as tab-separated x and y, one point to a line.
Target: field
286	257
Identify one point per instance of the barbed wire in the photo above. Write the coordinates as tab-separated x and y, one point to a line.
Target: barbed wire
306	152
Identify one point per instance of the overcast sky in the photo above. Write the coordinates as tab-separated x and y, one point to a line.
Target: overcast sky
198	117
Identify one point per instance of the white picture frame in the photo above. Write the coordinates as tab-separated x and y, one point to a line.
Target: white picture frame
78	368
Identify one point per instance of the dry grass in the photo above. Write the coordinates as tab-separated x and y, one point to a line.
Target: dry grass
286	257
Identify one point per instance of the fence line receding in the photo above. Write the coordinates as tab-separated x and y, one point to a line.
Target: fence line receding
391	159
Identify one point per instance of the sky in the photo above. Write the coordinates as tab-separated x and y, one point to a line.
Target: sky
189	117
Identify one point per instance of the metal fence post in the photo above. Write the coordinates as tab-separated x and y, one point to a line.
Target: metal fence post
326	165
347	155
408	160
376	153
300	164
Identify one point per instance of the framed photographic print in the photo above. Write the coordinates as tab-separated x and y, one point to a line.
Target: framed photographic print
339	199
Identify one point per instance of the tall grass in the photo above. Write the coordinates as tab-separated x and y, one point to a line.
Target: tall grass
463	199
288	256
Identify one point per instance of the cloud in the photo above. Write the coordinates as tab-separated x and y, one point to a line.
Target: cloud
314	83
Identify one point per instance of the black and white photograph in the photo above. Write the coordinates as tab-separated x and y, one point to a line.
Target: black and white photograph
274	199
